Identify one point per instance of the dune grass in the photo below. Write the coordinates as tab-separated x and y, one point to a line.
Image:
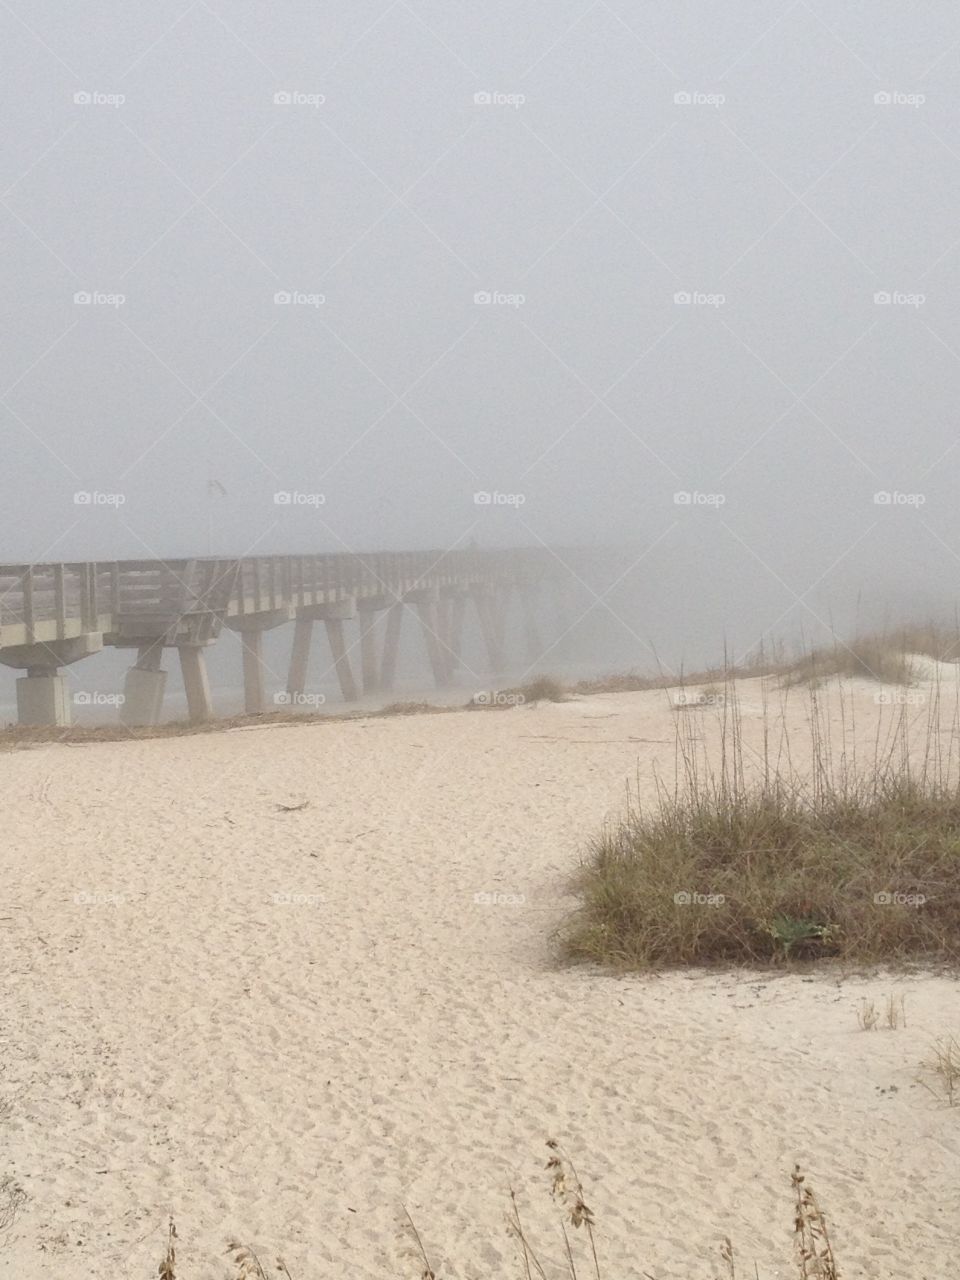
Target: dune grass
934	639
878	655
580	1250
880	658
748	859
761	664
542	689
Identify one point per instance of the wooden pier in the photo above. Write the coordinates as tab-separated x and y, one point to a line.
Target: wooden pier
52	615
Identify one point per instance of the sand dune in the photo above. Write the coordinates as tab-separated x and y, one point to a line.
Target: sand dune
286	1025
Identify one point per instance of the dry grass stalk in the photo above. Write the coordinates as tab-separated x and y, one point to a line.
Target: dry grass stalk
867	1015
515	1228
428	1272
895	1012
166	1270
567	1187
940	1073
815	1257
246	1263
815	1253
12	1199
727	1256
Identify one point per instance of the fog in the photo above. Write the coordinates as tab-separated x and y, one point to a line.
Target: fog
673	280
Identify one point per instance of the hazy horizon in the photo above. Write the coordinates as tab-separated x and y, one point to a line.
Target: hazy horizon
380	167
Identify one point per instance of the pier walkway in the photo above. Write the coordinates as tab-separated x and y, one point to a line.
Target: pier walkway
52	615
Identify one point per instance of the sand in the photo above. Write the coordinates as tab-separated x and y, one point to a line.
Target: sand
284	1026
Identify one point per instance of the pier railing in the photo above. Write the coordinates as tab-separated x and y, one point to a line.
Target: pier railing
41	603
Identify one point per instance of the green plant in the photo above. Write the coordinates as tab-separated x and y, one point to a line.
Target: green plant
790	933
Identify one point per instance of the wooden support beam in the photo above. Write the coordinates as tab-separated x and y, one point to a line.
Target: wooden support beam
60	601
427	612
369	666
485	614
144	687
341	658
150	656
563	616
26	585
193	665
251	627
254	693
391	646
531	631
500	603
445	634
457	611
299	657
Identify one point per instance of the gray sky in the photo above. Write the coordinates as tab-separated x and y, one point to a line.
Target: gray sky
782	196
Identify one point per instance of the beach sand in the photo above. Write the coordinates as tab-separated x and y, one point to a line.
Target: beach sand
283	1026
